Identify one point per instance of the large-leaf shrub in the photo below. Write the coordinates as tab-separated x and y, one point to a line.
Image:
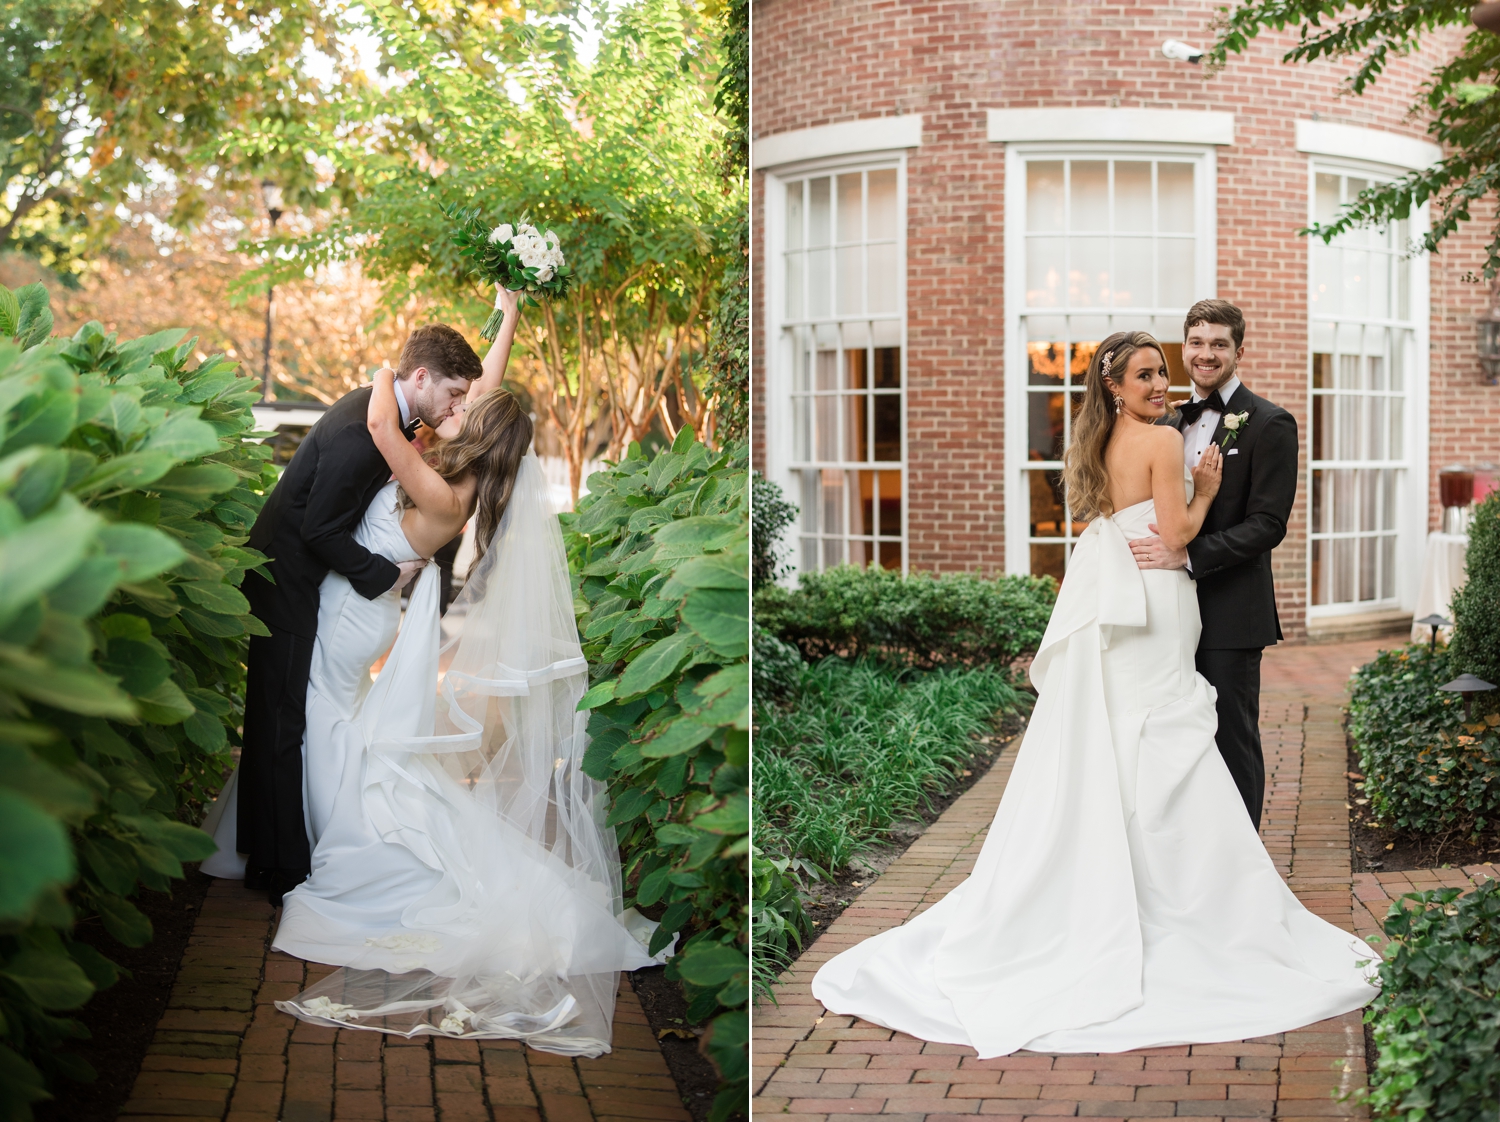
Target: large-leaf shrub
1437	1019
1476	606
1426	770
126	491
921	620
660	549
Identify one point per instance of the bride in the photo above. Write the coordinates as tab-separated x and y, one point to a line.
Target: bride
1122	898
462	874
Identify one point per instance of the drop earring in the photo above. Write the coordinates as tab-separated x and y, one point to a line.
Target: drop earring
1119	405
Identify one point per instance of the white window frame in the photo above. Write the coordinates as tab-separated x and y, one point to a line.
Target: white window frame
779	430
1017	412
1412	494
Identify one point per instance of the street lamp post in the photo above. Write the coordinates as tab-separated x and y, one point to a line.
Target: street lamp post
271	193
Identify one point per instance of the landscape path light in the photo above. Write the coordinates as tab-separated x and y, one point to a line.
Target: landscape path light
1434	621
1468	685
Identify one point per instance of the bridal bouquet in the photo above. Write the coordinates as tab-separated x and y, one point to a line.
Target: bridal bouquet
520	257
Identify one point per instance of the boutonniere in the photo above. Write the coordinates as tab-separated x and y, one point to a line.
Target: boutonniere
1232	422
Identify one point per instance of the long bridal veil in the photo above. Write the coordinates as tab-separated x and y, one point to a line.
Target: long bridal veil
485	898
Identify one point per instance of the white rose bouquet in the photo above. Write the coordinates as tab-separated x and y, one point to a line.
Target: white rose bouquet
520	257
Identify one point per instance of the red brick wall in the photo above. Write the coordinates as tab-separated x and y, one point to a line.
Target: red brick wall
819	62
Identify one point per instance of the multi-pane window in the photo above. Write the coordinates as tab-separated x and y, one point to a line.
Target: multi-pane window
1111	244
1362	359
841	339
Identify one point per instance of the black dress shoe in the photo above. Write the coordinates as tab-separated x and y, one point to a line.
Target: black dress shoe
280	882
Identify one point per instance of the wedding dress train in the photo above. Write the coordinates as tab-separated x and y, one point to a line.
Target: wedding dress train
462	874
1122	898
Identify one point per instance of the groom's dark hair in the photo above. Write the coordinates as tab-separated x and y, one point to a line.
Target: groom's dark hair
1220	312
442	350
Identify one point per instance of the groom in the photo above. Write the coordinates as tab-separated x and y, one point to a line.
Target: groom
1230	559
307	528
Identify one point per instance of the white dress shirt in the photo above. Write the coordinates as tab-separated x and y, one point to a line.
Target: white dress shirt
1197	437
406	410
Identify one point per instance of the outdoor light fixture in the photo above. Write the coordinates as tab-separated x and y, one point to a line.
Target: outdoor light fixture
1468	685
271	194
1434	621
1178	51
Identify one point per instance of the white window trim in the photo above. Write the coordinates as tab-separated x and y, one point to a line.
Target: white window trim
1112	126
779	432
1395	154
1017	493
1411	514
847	138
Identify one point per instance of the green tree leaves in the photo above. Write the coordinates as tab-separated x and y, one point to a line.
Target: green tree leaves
660	549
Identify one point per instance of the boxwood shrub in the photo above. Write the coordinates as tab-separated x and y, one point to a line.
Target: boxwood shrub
1426	770
921	620
126	492
1437	1020
661	551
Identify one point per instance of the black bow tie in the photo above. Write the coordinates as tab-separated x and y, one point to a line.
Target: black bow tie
410	430
1192	410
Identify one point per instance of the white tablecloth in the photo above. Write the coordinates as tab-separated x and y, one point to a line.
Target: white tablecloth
1443	574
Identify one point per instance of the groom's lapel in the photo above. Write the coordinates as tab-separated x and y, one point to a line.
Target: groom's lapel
1241	401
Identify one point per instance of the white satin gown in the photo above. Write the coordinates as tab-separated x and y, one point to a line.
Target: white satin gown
1122	898
452	920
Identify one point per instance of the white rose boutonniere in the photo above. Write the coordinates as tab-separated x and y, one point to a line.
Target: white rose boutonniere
1232	422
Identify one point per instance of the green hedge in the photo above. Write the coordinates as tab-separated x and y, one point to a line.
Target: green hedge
1437	1019
126	493
1425	769
921	620
660	547
1476	606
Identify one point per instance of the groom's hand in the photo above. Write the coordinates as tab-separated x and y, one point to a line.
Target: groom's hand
1152	553
408	569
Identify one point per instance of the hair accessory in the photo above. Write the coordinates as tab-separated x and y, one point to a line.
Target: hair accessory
1104	363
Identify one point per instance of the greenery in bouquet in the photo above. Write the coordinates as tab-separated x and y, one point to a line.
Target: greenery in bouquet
520	257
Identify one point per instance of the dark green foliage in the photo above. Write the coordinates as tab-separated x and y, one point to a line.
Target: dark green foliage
921	620
1425	770
777	918
770	515
126	493
660	548
1476	606
777	666
858	748
729	333
1437	1019
1458	100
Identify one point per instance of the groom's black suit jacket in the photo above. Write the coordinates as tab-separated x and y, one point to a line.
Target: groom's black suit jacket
307	525
1231	556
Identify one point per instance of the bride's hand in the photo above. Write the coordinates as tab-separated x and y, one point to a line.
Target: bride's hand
507	301
1209	473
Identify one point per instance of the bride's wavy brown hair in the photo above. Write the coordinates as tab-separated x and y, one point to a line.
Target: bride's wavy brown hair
494	436
1084	478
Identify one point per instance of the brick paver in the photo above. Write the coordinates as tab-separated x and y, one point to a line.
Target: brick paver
810	1064
223	1051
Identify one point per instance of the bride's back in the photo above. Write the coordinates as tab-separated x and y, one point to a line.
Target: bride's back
1133	447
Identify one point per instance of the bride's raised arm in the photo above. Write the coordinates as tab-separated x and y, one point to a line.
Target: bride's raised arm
1177	520
498	356
424	486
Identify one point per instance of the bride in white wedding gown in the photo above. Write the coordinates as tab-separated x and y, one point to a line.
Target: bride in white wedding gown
462	874
1122	898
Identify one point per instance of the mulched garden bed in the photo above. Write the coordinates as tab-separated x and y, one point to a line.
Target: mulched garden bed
1386	850
122	1019
824	901
666	1013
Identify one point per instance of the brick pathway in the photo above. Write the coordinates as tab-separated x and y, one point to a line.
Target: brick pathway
223	1051
810	1064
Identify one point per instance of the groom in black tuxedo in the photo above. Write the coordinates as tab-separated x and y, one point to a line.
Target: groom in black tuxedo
307	528
1230	559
